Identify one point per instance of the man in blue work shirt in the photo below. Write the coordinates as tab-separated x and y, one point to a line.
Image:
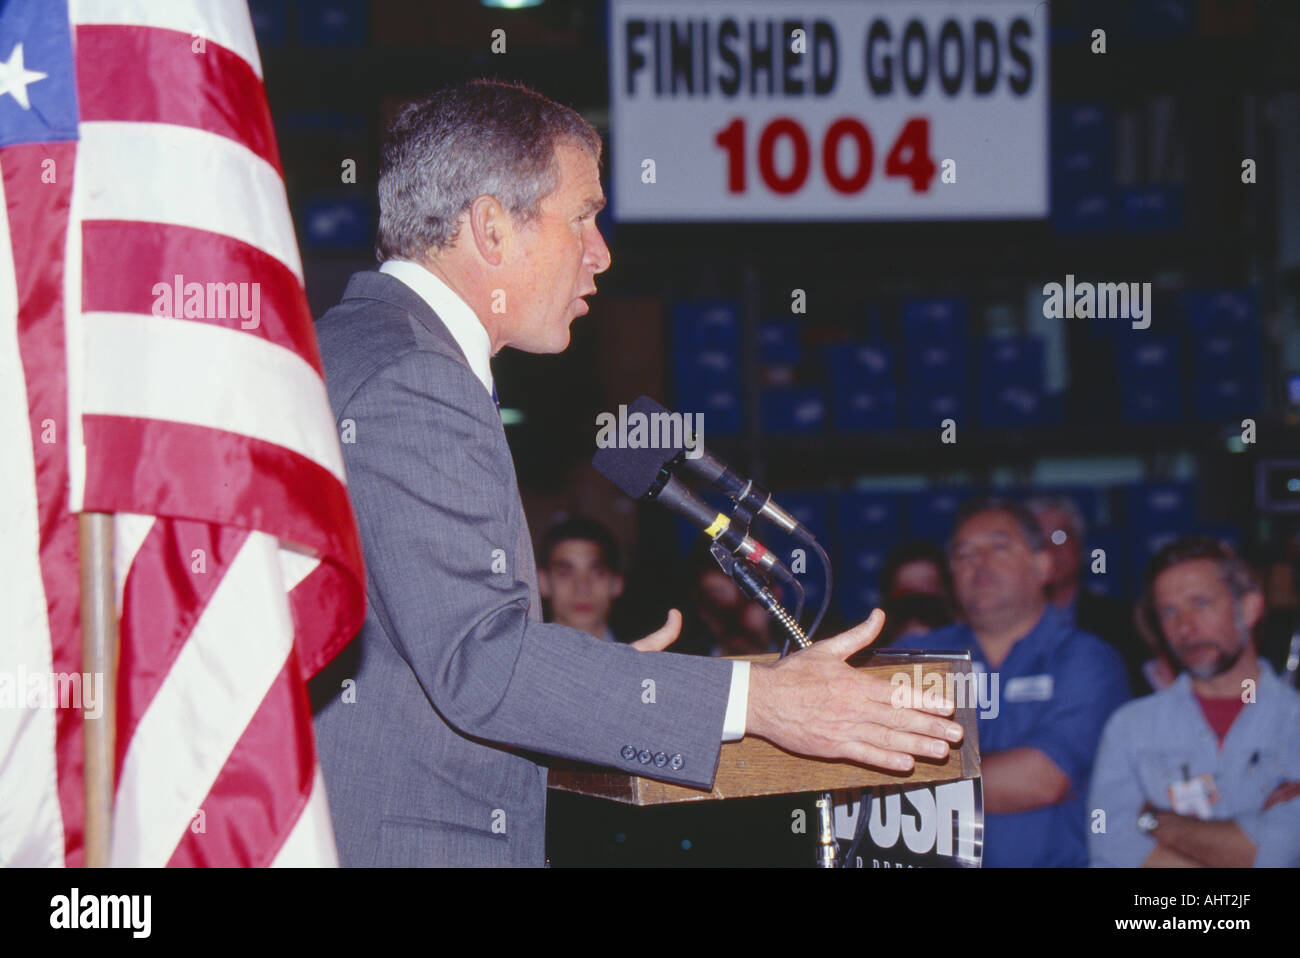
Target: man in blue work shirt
1207	771
1053	687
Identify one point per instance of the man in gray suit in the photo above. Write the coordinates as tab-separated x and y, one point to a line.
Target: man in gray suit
429	724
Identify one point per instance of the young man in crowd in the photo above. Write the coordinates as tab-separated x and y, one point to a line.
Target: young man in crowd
579	576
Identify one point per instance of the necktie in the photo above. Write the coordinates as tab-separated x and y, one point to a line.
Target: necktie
494	395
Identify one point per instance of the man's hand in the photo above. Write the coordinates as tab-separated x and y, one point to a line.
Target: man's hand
1283	793
1164	857
662	637
813	703
1209	843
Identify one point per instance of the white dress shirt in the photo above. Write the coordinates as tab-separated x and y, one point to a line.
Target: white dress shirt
454	312
474	342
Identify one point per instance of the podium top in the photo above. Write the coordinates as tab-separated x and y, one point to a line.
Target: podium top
754	767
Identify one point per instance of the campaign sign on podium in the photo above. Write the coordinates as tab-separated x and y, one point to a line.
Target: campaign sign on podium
931	826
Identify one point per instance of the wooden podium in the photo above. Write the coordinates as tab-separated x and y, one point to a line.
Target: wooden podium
753	767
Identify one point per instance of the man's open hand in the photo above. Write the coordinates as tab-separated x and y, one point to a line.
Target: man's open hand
813	703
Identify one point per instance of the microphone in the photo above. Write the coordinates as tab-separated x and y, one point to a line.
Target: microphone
640	473
749	495
718	474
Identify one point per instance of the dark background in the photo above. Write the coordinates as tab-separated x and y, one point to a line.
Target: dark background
1147	143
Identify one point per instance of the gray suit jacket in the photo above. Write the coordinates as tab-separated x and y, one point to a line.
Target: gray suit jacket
455	676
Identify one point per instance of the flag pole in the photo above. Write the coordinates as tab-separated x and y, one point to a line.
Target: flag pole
98	658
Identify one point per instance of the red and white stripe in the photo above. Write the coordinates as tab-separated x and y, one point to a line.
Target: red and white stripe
38	552
238	562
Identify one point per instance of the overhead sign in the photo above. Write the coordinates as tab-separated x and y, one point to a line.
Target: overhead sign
826	110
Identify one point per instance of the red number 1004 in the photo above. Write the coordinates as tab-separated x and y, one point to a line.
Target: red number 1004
909	157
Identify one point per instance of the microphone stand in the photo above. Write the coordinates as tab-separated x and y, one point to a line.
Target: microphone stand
753	585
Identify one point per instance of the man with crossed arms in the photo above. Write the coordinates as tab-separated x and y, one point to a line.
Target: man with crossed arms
1206	772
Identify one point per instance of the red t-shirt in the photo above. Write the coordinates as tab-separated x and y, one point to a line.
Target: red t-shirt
1221	713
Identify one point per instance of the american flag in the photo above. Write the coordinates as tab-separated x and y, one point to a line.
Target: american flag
159	363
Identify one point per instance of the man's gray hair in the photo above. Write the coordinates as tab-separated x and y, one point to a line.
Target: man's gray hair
1078	525
483	137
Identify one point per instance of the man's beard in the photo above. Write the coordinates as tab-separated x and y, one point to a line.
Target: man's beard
1221	664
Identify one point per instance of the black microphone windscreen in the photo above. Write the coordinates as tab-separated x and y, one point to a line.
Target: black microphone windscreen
646	405
634	469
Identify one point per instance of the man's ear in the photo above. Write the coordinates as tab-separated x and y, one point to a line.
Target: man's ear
491	228
1252	609
1043	566
544	583
618	586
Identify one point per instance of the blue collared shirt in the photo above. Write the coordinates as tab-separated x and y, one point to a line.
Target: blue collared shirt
1055	690
1155	741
